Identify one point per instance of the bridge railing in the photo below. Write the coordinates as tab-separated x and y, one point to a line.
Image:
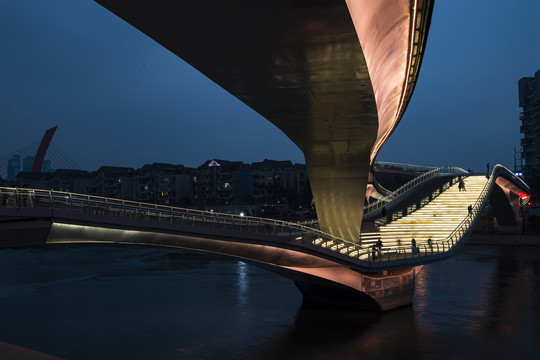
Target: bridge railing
379	165
398	213
34	198
96	205
407	186
456	235
375	253
388	198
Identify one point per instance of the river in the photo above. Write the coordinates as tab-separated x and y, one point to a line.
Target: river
127	302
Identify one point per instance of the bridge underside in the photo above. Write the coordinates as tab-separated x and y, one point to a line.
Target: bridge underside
324	268
318	279
335	76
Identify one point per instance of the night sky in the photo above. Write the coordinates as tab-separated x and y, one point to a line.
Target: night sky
121	99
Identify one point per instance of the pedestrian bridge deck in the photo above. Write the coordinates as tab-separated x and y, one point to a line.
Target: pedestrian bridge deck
438	223
433	227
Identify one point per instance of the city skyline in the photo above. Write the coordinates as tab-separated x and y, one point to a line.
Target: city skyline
120	99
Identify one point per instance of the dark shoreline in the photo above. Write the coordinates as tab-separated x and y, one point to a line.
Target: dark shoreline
504	239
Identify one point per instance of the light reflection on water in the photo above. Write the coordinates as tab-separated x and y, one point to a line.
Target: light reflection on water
145	303
243	283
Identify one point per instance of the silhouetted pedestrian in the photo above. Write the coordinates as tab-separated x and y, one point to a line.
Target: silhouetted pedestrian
487	165
414	248
379	247
470	209
374	251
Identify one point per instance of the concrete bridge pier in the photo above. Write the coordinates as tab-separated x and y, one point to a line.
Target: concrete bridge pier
378	292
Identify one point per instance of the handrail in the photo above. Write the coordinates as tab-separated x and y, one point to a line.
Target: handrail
478	205
410	184
415	168
455	236
34	198
385	200
404	252
404	167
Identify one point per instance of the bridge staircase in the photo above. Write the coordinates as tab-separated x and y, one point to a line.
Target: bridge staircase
433	222
436	226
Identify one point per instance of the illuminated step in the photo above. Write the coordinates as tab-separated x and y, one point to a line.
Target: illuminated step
435	221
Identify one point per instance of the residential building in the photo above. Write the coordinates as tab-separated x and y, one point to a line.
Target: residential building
221	182
67	180
165	184
112	181
268	188
529	101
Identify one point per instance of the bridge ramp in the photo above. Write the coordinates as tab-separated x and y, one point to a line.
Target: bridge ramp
436	220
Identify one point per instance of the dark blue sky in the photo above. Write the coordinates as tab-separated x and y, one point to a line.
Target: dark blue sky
121	99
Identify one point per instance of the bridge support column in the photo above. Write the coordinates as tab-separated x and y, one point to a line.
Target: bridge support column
378	292
338	173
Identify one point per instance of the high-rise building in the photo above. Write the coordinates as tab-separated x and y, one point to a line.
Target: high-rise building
47	167
27	163
529	101
14	167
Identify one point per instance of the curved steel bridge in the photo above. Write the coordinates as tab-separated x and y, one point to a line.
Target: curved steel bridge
334	75
324	267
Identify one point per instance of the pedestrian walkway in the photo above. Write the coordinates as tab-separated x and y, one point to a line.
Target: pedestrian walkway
435	221
429	226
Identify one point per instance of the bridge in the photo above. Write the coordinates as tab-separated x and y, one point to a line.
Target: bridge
376	272
336	77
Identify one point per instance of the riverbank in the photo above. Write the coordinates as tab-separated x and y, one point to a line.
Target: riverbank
504	239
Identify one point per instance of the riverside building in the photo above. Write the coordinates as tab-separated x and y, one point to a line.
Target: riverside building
529	101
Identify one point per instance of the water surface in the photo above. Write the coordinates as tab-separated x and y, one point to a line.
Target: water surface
127	302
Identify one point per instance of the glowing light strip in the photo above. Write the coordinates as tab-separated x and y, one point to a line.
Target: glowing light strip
385	137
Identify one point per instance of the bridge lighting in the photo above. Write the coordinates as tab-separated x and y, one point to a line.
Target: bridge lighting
523	196
242	214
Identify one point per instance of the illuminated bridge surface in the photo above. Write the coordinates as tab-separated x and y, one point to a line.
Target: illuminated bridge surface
313	259
334	75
